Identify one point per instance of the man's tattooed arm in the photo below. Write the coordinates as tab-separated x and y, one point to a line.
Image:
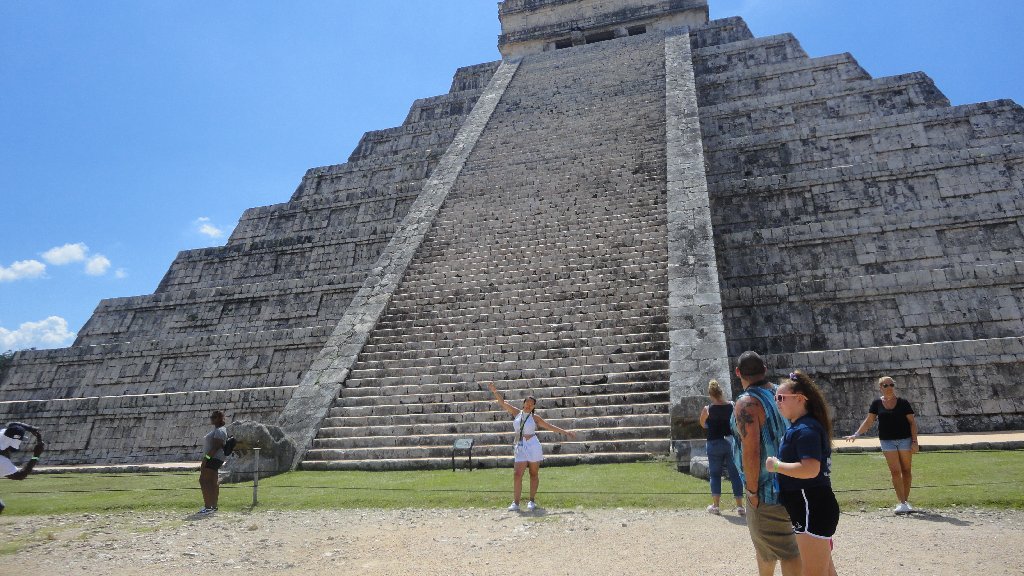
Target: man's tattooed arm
749	418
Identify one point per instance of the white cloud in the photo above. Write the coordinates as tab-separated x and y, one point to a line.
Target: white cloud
97	265
206	228
50	333
21	270
120	273
66	254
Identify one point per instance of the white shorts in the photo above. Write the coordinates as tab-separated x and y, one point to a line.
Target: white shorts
529	450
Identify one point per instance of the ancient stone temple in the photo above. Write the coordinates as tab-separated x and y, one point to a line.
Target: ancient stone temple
632	196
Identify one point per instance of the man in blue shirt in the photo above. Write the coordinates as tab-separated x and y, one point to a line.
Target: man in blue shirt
758	428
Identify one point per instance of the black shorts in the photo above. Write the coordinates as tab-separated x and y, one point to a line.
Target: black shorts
813	511
213	464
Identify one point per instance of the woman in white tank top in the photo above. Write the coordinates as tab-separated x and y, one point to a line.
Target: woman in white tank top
528	451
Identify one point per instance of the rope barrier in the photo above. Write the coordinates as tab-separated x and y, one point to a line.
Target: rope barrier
72	475
465	491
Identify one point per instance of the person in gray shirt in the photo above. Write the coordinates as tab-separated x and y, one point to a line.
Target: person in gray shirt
213	459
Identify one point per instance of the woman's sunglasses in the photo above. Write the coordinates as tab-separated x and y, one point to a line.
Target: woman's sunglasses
780	398
888	385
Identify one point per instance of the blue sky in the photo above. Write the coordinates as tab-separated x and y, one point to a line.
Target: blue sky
130	129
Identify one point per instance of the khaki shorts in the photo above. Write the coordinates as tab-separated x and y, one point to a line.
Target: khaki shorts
771	531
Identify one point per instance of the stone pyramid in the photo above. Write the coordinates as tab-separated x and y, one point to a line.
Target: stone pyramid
632	196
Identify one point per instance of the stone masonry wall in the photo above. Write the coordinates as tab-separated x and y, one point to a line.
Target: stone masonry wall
234	327
865	227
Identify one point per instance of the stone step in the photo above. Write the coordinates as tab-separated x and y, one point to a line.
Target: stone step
648	446
583	303
503	261
541	388
497	426
582	306
480	394
438	414
405	140
514	380
968	302
566	407
870	224
858	99
479	251
479	293
930	375
789	76
751	53
266	306
580	366
855	250
569	323
868	169
559	351
339	252
444	463
536	342
533	284
719	31
946	182
567	359
970	126
503	438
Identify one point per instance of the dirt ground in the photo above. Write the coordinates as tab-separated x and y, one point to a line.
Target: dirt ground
485	542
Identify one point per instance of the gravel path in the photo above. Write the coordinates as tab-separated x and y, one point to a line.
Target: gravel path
485	542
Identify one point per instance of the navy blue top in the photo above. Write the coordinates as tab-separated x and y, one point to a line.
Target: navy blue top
806	438
717	423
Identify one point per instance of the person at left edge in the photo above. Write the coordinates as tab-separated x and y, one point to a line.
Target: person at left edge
11	438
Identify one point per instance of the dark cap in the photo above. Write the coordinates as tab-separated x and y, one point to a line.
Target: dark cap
751	364
15	431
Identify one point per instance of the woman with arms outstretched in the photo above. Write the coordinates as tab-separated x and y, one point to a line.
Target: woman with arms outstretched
528	451
897	433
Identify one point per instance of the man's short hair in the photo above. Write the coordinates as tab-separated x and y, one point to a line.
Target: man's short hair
751	364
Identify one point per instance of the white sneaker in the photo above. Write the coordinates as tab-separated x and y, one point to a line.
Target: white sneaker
204	510
741	511
903	508
909	507
513	507
712	509
531	506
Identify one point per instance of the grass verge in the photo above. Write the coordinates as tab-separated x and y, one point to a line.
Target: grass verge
942	480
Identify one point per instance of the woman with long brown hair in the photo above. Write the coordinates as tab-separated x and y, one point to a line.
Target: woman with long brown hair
803	468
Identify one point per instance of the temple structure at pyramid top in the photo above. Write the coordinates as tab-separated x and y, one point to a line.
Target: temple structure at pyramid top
631	197
530	26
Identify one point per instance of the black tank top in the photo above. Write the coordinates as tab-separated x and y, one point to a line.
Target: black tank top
718	421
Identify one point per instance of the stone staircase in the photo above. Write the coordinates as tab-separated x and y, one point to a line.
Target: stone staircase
544	272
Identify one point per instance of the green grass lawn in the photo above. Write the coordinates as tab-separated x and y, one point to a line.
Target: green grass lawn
944	479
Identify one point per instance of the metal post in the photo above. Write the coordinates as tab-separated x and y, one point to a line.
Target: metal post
256	477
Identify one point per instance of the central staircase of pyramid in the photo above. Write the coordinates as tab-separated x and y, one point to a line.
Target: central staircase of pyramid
544	272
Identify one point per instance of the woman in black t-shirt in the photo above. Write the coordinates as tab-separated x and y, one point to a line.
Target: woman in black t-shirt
897	432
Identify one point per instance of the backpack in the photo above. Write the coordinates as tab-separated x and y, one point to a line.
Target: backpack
229	445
